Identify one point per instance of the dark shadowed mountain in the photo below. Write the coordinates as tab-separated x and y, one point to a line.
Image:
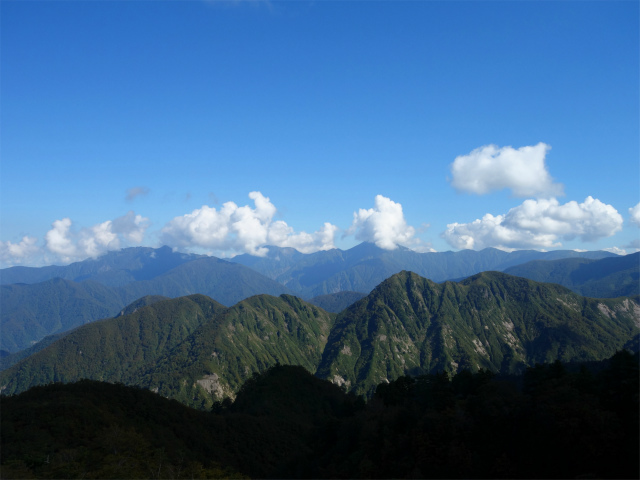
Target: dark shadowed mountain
286	423
364	266
605	278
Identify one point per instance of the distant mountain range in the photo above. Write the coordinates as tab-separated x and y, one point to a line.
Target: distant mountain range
196	350
30	312
38	302
606	278
364	266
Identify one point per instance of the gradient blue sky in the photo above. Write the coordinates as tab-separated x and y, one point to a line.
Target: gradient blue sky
163	107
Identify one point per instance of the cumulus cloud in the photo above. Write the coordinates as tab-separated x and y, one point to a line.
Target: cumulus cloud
634	212
242	230
69	245
134	192
491	168
537	224
384	225
18	253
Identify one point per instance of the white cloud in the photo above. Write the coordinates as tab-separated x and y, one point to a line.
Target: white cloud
18	253
282	235
234	229
635	214
490	168
537	224
58	239
385	226
68	245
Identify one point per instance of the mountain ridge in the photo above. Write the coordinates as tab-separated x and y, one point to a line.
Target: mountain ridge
408	325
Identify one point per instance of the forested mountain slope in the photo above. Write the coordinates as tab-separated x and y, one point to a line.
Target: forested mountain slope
190	348
411	325
32	311
407	325
113	349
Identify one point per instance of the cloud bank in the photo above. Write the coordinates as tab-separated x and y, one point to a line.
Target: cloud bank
537	224
17	253
242	230
63	244
94	241
491	168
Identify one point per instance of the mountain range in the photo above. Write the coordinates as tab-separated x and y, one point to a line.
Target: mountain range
198	351
363	267
38	302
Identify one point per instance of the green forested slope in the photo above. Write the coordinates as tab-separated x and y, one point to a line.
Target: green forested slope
194	350
410	325
112	349
247	338
190	348
32	311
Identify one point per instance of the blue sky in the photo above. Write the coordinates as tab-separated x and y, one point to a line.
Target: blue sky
434	125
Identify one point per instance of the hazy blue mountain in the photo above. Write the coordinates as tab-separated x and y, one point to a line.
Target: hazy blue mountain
364	266
11	359
495	321
115	268
605	278
31	312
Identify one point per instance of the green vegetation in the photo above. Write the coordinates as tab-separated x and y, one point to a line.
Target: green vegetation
191	348
196	351
494	321
247	338
32	312
552	422
114	349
